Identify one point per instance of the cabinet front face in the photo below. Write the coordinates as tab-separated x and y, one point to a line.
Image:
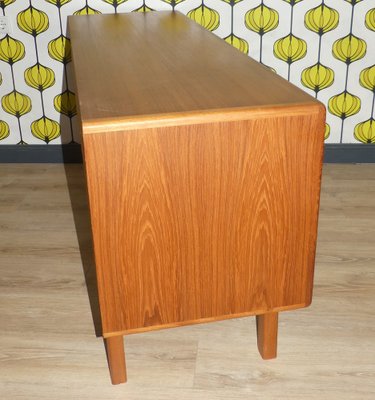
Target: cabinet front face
205	221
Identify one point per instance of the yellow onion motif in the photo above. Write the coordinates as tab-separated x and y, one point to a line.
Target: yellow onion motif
1	78
59	49
115	3
317	77
205	16
173	3
4	130
11	50
16	103
262	19
290	48
39	77
349	49
58	3
143	8
87	10
238	43
65	103
5	3
292	2
370	19
367	78
32	21
365	131
321	19
327	132
344	105
45	129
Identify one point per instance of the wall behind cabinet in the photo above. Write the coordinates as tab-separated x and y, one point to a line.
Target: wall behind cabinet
325	47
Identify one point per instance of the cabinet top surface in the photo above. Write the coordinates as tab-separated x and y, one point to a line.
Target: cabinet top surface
160	63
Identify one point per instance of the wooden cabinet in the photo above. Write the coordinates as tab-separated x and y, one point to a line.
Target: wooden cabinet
203	171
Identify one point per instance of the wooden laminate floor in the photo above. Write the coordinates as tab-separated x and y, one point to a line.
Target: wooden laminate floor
48	348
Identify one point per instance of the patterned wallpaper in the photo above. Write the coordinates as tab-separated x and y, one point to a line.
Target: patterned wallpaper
326	47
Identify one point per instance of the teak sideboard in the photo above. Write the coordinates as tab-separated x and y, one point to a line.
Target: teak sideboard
203	171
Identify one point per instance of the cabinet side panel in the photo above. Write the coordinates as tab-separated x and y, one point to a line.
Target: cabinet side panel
204	221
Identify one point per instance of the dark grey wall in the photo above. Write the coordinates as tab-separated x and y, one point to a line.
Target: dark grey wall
71	153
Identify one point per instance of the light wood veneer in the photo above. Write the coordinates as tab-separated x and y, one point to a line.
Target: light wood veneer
203	170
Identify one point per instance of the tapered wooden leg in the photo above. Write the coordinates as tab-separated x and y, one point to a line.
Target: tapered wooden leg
267	335
116	359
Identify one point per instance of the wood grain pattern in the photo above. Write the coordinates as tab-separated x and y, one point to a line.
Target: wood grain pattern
163	63
205	221
267	327
203	180
195	117
116	359
48	348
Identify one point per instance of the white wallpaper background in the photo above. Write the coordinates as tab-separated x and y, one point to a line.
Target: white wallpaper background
325	47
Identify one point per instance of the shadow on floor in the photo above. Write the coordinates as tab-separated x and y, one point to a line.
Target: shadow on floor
78	197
